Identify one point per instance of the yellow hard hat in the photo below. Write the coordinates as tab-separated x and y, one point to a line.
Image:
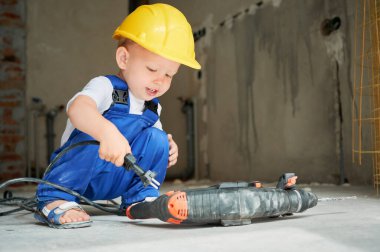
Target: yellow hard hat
162	29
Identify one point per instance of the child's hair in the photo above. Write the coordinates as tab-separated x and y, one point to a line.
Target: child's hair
126	42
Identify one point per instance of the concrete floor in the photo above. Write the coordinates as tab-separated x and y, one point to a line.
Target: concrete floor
344	225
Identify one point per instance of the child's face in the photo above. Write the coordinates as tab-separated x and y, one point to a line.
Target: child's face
148	75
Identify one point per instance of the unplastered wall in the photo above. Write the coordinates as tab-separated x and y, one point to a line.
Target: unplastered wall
12	89
267	97
275	94
188	85
68	43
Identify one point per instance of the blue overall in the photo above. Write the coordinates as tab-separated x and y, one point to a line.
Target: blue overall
81	169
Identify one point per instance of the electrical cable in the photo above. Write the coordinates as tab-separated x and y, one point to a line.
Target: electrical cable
29	204
68	148
89	202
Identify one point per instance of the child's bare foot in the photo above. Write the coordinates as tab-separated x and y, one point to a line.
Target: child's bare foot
72	215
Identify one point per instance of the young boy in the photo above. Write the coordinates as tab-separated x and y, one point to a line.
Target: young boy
122	113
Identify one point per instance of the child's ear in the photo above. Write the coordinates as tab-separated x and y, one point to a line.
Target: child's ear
122	56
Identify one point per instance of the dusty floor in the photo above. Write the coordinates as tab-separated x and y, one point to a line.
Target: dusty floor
344	225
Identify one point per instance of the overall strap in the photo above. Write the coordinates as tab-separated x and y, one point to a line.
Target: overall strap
151	110
121	101
117	83
120	95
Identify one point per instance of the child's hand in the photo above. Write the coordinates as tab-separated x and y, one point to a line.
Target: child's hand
173	151
113	146
85	116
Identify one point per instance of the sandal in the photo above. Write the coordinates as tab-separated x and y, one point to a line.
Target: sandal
51	217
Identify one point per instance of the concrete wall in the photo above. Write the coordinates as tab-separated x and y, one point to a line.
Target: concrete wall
267	97
282	112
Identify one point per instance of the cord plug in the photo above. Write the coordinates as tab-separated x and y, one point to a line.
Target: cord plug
146	177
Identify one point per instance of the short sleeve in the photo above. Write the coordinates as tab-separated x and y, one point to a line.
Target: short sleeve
100	90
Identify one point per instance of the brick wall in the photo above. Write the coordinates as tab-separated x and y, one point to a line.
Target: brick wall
12	89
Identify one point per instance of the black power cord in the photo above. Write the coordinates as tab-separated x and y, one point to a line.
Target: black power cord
65	150
30	204
27	204
22	203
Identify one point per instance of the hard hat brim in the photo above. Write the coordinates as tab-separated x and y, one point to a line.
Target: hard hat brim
190	63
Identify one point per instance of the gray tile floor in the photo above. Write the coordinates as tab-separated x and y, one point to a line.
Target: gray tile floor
344	225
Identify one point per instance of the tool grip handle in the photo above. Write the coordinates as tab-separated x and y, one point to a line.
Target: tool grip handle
147	210
130	162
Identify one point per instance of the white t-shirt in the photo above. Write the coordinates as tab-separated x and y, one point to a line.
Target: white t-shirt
100	90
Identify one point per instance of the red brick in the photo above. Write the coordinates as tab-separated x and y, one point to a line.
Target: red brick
9	131
10	15
7	117
8	2
10	157
10	138
11	19
14	73
15	68
10	55
10	175
9	104
10	97
12	168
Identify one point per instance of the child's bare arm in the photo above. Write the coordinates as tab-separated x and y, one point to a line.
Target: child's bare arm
84	116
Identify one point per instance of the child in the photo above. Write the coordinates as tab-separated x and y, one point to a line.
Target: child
122	113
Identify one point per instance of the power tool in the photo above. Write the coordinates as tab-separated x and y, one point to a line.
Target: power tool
229	204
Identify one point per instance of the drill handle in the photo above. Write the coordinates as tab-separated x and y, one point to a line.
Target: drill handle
147	210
